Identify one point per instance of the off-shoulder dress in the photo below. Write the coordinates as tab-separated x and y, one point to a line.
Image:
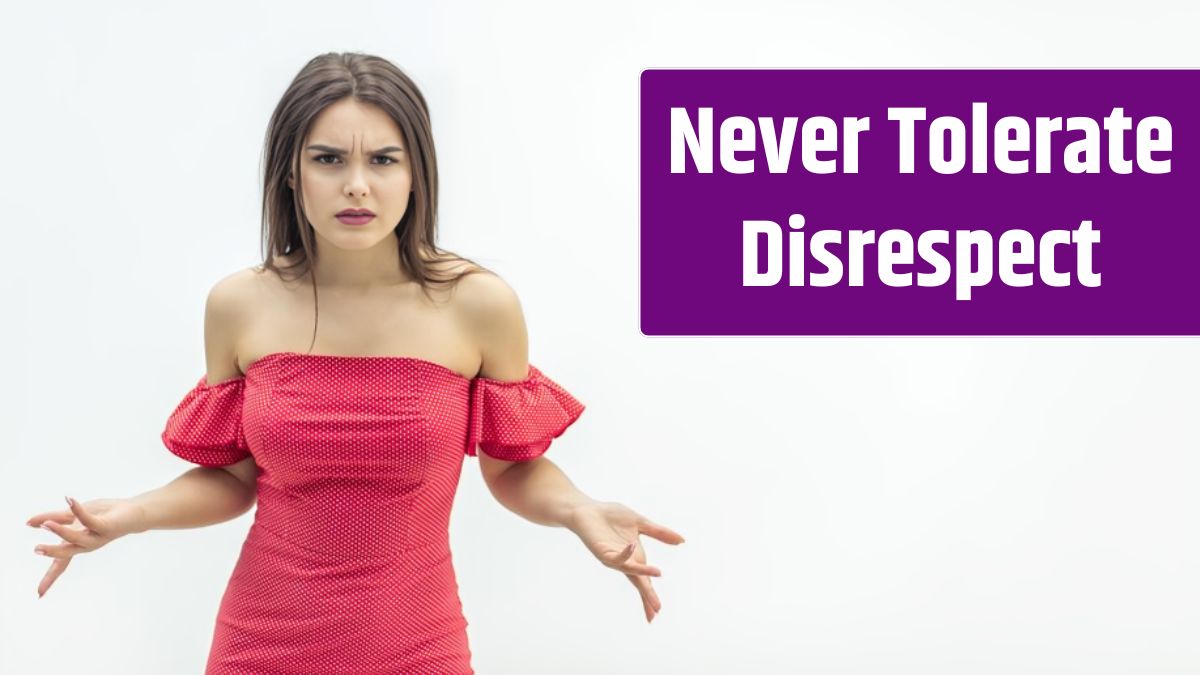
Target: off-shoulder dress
347	567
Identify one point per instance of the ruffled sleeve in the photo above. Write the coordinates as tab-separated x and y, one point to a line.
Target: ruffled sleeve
206	426
516	420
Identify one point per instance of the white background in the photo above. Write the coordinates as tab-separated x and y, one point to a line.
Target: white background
851	505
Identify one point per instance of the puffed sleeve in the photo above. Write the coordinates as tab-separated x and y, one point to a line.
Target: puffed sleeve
516	420
206	426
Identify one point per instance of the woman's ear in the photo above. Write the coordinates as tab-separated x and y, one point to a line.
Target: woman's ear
291	183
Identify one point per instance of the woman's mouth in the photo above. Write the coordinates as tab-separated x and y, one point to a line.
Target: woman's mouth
354	220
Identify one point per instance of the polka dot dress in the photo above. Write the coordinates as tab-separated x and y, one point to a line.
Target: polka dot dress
347	566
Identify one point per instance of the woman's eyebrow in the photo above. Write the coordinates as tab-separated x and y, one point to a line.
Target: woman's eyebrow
340	151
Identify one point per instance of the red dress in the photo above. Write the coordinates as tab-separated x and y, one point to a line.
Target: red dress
347	566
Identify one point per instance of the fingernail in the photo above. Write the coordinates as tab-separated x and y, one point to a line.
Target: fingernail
46	526
70	502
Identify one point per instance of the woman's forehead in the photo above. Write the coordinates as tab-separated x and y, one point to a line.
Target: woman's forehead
353	125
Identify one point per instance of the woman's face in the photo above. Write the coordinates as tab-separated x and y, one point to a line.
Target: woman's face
354	158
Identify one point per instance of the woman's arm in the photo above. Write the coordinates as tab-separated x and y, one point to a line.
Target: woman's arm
200	496
208	495
536	490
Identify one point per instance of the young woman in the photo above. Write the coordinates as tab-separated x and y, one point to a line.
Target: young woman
350	432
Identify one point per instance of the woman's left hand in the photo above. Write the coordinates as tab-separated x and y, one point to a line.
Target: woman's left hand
610	531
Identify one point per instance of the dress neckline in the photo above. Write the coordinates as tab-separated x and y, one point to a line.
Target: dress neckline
358	357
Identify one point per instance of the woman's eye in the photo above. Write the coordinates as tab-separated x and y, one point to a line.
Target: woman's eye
318	159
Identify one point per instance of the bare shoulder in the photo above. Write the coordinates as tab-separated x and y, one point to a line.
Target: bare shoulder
241	291
492	312
230	290
226	311
485	295
231	296
477	293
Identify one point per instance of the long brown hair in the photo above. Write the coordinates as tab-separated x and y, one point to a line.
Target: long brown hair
324	80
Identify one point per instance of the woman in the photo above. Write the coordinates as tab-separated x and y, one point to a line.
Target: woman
350	436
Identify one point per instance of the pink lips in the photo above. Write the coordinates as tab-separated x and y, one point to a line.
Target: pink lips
355	216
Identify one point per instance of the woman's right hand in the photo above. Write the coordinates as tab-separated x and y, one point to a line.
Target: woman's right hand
84	527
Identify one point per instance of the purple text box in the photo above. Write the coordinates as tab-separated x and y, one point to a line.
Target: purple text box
695	256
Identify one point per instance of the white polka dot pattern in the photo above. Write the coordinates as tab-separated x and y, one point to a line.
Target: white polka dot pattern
206	427
517	420
347	566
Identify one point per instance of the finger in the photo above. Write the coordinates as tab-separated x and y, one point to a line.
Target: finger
637	566
84	538
641	594
624	564
644	590
640	569
659	532
629	550
615	559
56	569
647	589
64	517
59	550
654	601
85	518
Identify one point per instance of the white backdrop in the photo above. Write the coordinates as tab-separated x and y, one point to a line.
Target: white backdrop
851	505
